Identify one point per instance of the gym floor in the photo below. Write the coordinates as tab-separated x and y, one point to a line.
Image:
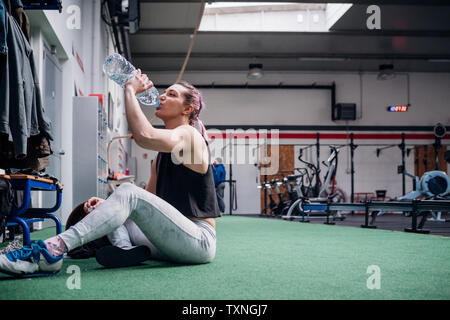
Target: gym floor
266	259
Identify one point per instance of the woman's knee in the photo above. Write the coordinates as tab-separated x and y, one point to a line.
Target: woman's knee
125	189
209	258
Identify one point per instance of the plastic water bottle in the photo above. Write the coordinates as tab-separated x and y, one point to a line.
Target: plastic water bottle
120	70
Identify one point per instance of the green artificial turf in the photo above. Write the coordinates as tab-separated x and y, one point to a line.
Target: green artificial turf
265	259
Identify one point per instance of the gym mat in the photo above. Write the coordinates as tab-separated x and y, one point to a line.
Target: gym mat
265	259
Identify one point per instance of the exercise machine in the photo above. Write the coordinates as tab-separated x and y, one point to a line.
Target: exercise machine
114	180
433	185
24	214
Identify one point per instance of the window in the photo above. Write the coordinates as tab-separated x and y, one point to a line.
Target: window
271	16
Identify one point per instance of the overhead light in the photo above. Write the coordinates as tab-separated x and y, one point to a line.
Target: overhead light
255	71
438	60
386	72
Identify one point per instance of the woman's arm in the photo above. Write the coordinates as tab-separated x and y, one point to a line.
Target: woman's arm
185	142
145	135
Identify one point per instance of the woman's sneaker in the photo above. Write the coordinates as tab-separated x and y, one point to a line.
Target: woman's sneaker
115	257
30	261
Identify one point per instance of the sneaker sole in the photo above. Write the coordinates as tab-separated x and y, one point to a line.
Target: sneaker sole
115	257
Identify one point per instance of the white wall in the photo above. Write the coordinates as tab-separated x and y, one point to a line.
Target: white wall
143	163
428	94
90	44
371	172
429	98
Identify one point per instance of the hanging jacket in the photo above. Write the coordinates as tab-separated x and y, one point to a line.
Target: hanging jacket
21	111
3	46
219	174
88	250
13	6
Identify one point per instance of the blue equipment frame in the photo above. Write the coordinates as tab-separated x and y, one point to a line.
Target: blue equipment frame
416	207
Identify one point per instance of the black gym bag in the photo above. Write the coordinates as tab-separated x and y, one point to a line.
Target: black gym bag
87	250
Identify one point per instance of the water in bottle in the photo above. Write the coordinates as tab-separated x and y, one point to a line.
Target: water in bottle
120	70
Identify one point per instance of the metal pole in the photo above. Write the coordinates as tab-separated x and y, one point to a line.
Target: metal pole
231	173
318	158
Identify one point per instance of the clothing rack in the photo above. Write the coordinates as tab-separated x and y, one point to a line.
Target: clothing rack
24	214
36	5
42	5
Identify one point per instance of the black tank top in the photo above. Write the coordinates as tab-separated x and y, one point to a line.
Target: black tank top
192	193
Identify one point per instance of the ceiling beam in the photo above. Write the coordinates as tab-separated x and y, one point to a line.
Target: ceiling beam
392	33
364	32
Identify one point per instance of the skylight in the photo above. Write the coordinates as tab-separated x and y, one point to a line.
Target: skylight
272	16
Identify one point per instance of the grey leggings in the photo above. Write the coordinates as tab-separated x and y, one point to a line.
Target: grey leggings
174	236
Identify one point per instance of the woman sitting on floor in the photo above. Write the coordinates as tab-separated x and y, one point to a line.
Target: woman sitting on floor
176	212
